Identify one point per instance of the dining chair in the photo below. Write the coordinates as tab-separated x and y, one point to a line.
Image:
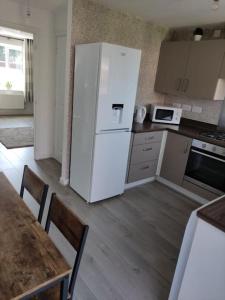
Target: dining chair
36	187
75	231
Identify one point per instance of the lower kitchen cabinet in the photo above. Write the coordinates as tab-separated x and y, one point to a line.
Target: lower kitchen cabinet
175	157
145	152
144	155
142	170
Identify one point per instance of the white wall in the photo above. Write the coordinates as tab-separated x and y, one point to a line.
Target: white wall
60	20
41	24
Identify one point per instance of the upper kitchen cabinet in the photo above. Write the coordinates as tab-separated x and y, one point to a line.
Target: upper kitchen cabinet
203	70
172	67
192	69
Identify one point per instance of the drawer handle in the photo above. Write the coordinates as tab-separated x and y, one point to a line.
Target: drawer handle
147	149
145	168
186	147
149	138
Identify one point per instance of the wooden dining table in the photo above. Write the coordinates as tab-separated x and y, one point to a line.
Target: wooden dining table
30	263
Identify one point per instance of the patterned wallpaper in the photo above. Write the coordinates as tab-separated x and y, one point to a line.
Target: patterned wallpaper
95	23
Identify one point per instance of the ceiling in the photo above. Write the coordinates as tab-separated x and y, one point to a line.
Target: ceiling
171	13
42	4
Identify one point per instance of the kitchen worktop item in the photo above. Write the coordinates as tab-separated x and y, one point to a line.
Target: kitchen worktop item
140	114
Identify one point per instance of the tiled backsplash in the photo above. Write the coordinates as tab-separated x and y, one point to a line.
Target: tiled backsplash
210	109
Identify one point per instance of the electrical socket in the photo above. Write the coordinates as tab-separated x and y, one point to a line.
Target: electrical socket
186	107
217	33
196	109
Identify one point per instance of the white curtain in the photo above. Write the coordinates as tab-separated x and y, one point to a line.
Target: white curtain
29	90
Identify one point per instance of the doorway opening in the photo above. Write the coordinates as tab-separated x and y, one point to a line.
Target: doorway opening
16	88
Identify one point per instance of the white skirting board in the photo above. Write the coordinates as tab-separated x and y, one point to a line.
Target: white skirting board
139	182
182	191
171	185
64	181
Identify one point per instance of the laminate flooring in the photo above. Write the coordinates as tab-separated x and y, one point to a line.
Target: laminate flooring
134	239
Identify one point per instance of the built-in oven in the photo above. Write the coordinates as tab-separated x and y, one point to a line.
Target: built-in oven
206	166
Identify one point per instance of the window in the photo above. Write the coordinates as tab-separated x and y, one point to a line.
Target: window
15	59
12	75
2	56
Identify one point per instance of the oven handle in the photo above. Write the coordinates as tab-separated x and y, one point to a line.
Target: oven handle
210	156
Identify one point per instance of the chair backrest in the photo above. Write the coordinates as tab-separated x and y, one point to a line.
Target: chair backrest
73	229
36	187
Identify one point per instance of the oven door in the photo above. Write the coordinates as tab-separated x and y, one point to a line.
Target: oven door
164	115
206	169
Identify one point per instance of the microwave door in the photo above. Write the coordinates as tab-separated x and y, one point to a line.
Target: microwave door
165	115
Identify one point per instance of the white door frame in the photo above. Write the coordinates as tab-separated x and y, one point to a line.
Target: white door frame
67	128
58	106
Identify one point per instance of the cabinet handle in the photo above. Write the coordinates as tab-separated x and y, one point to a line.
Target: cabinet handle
145	168
147	149
179	84
186	147
186	85
149	138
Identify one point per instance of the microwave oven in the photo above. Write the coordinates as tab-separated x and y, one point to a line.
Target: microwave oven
165	114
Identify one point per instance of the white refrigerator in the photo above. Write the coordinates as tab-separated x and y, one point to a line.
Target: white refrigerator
105	87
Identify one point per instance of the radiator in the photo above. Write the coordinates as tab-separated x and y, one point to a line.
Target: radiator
11	100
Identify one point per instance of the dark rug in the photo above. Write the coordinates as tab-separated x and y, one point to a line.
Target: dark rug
17	137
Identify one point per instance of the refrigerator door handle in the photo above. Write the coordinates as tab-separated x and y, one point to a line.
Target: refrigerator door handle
114	130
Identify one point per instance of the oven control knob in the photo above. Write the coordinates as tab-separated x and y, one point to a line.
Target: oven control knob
203	146
214	149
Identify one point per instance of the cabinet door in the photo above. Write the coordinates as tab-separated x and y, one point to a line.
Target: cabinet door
203	69
175	157
172	67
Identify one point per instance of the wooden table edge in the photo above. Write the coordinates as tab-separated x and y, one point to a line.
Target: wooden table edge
45	284
213	214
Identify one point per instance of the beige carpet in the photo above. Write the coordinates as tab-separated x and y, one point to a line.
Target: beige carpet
17	137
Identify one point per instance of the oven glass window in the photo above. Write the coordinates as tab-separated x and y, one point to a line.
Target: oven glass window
210	171
164	114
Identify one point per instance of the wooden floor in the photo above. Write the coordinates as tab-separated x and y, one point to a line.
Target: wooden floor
134	239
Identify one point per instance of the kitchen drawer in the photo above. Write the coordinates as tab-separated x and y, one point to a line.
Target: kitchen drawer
147	137
142	171
145	152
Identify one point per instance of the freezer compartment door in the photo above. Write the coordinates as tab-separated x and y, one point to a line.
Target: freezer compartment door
109	165
119	72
